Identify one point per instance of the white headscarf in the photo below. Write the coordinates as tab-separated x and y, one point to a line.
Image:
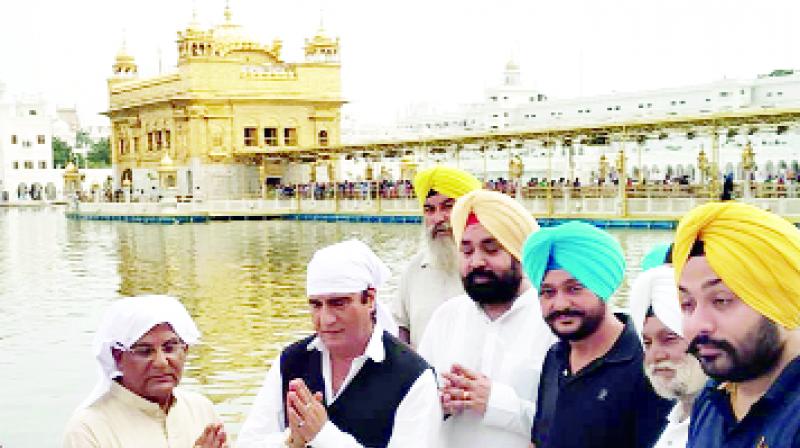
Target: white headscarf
348	267
125	322
656	288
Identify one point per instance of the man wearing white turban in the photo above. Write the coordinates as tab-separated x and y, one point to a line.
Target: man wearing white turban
141	349
351	384
674	374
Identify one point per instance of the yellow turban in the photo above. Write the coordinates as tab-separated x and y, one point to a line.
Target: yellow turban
503	217
449	181
755	253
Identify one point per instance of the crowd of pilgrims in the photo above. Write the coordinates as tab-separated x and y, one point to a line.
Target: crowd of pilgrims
502	334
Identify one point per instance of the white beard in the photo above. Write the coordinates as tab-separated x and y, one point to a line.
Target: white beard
688	381
441	251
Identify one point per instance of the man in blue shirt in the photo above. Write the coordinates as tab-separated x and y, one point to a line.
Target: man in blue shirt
593	392
738	271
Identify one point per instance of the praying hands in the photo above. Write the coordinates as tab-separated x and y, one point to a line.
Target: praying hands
305	412
464	389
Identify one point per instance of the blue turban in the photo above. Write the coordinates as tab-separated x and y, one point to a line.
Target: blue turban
656	257
589	254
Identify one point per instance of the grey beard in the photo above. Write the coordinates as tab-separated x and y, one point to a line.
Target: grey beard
689	378
441	252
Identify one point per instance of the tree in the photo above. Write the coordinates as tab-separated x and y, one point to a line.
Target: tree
62	152
100	154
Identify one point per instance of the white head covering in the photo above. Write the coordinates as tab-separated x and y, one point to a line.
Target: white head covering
346	267
125	322
656	288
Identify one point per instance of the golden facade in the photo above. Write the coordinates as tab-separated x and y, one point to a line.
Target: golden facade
227	112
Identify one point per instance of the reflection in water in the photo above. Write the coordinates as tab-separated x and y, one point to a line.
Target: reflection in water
243	282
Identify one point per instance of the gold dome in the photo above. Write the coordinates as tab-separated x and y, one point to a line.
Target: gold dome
123	56
229	32
166	161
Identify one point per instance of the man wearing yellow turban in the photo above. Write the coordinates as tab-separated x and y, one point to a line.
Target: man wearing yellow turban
488	344
593	391
431	276
738	274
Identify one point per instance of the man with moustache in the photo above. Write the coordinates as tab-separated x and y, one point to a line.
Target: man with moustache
738	273
593	391
488	344
431	277
351	384
141	349
673	373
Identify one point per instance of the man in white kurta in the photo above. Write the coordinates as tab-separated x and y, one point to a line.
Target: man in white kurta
431	277
424	286
122	419
509	350
341	284
489	344
141	349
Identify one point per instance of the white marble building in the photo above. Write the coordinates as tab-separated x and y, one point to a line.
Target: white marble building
513	107
26	155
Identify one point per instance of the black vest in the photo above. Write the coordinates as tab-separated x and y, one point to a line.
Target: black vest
366	407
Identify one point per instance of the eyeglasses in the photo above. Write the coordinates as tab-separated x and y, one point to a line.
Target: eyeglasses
172	349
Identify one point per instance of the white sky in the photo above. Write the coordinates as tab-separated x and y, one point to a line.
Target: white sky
395	53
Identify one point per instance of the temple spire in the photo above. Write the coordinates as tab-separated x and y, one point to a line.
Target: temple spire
228	14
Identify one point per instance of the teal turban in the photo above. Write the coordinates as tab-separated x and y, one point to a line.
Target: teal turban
589	254
655	257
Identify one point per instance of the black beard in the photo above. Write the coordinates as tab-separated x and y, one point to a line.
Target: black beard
498	290
747	363
589	323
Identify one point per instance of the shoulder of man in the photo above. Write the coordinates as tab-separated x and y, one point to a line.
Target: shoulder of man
194	400
398	349
702	408
403	359
298	346
450	310
415	262
86	427
459	303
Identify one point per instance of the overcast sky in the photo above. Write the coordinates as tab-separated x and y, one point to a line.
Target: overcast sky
412	51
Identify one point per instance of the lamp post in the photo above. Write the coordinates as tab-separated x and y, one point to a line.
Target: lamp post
331	168
639	144
549	186
515	170
748	164
623	181
714	166
603	170
571	163
485	150
702	165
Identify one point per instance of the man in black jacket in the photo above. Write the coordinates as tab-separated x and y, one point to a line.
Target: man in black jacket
351	384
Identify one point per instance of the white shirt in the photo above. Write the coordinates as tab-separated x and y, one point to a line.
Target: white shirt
676	434
423	287
509	350
417	421
122	419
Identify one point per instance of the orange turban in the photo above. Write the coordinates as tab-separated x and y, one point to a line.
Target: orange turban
503	217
